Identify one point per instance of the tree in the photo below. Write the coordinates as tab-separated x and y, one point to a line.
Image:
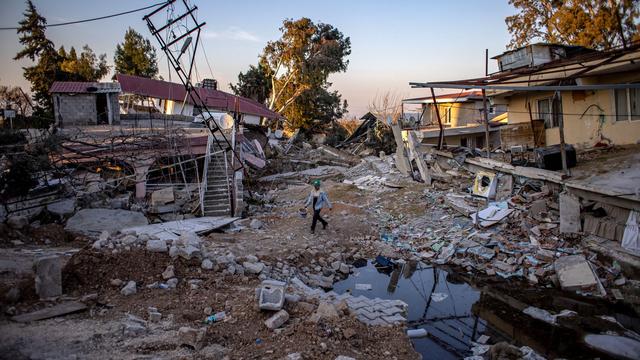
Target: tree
51	65
254	84
596	24
298	66
135	56
87	67
14	98
37	48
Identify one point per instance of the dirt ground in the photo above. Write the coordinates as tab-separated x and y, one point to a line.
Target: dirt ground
98	333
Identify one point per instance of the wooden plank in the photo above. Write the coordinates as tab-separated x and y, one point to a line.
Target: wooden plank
50	312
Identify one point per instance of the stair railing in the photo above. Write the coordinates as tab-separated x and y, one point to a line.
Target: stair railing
205	170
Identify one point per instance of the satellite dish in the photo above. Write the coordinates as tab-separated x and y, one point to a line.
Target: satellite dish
225	121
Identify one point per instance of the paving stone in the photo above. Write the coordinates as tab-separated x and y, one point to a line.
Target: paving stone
388	311
394	319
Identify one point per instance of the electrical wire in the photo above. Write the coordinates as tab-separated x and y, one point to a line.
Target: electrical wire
93	19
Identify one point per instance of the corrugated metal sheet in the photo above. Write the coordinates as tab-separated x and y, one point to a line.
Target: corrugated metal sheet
214	99
79	87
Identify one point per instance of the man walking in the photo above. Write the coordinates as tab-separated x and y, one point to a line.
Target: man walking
318	199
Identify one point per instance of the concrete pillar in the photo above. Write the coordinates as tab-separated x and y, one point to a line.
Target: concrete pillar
141	169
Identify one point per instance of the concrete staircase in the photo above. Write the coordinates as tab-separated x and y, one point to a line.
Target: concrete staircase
217	197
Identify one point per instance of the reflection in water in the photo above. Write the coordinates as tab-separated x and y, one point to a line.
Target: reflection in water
467	312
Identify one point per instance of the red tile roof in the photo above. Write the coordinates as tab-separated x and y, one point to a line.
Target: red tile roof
80	87
214	99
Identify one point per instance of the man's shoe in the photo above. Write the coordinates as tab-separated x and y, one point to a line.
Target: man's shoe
324	226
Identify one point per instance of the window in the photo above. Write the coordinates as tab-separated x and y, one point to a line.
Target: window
546	110
627	104
463	142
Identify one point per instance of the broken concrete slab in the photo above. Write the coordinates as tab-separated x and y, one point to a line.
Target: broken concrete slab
54	311
63	208
162	196
171	230
569	213
490	215
92	222
191	337
48	276
459	204
575	273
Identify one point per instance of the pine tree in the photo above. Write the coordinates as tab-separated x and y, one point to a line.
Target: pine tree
38	48
135	56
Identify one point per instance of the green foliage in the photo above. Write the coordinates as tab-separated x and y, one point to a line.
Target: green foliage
294	71
254	84
136	56
596	24
50	65
86	67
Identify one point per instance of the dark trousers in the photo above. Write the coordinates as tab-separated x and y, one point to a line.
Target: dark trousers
316	217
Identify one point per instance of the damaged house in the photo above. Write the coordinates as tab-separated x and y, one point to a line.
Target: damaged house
560	98
461	115
195	171
85	103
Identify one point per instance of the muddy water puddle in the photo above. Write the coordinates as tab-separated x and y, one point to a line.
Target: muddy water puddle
457	310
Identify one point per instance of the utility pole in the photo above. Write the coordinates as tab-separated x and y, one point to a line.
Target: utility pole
486	122
435	105
560	121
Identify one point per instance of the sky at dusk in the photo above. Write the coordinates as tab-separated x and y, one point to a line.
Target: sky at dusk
393	42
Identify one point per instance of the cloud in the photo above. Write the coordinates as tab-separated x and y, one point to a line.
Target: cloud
233	33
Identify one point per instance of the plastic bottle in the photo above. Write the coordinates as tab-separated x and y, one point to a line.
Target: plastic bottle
215	317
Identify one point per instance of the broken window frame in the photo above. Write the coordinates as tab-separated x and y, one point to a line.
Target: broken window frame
548	115
631	109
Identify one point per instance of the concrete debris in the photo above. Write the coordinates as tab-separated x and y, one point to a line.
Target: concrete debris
253	268
187	246
129	289
575	273
207	264
256	224
172	230
162	196
92	222
616	346
48	276
325	311
191	337
62	209
277	320
272	295
157	245
168	273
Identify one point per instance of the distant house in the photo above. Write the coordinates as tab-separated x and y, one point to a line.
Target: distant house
172	99
461	115
85	103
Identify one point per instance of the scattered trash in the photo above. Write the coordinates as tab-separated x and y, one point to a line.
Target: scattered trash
437	297
363	287
416	333
219	316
